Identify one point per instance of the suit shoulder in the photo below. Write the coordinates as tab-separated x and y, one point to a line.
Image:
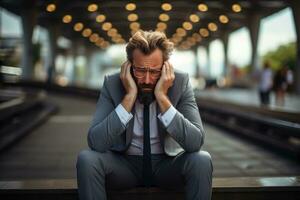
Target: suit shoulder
113	77
181	76
112	81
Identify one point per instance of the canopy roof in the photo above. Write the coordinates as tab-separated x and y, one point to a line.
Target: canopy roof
182	21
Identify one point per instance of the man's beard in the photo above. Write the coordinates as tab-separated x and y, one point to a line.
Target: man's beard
146	98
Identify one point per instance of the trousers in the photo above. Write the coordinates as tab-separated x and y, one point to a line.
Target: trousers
97	171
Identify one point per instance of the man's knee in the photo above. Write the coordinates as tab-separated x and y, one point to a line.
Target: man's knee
87	160
200	161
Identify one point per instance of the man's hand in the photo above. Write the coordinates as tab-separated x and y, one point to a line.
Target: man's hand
129	85
127	79
166	80
162	86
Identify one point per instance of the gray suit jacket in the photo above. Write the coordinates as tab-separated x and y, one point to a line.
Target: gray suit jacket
184	133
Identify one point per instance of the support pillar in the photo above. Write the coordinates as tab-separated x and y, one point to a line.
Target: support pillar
88	71
28	17
197	66
53	35
254	25
295	5
224	38
74	53
208	64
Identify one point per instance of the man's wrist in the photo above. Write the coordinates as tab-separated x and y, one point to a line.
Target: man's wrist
163	102
131	96
128	101
160	95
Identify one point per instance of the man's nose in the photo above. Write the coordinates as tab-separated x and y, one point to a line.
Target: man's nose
147	78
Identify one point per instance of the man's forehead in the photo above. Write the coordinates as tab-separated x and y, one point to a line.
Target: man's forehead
154	57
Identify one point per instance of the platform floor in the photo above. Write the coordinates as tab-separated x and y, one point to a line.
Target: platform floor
50	151
250	97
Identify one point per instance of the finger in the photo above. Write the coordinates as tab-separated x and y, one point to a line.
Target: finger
128	72
123	69
168	69
172	69
164	69
127	69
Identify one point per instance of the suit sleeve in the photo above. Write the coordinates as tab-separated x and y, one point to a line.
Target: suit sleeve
106	125
186	127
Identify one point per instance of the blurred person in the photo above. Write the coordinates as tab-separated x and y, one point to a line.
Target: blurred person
290	78
265	84
147	129
281	82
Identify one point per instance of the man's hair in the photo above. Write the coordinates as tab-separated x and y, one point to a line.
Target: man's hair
147	42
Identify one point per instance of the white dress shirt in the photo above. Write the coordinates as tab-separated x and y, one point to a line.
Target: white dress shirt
136	146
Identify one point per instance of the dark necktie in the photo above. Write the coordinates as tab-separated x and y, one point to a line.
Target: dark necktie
147	166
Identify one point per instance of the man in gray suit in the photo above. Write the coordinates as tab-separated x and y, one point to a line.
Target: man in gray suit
116	158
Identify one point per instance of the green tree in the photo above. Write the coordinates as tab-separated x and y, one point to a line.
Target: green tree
283	55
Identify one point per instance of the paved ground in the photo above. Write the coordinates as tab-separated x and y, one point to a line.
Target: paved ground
50	150
249	97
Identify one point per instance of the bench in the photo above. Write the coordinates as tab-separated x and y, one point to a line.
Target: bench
239	188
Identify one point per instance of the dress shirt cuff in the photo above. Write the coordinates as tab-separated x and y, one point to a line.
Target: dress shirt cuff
122	113
168	116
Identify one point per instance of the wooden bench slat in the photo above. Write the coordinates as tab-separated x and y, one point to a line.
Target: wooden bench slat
237	188
235	182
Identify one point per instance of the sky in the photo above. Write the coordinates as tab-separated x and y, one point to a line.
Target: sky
275	30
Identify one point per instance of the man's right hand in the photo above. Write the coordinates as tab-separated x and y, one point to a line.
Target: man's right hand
129	85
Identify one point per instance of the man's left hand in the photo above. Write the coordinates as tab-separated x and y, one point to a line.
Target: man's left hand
164	83
166	80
